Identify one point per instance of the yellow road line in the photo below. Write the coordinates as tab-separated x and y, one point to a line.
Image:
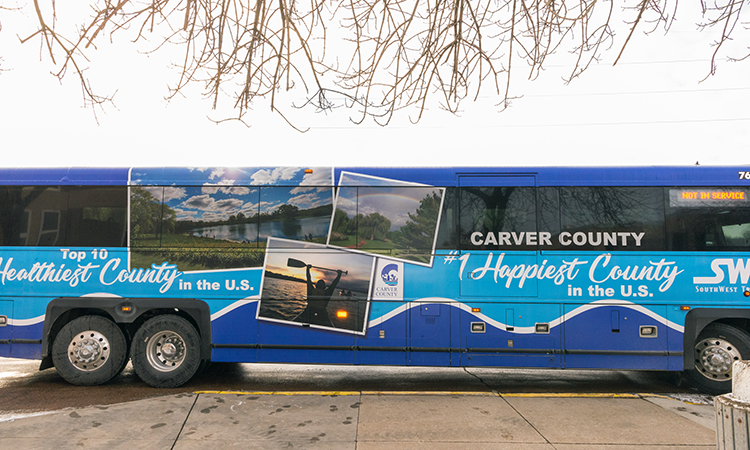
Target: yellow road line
567	395
428	393
463	393
322	393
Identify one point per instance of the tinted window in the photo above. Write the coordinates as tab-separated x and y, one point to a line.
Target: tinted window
497	218
97	216
708	219
56	216
447	238
603	218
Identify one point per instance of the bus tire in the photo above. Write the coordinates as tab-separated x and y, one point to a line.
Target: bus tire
89	351
166	351
205	364
716	349
126	359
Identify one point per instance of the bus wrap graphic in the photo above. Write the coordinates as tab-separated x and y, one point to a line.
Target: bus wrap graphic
737	269
536	267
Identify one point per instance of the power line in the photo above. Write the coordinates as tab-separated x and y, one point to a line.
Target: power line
645	122
677	91
634	63
557	125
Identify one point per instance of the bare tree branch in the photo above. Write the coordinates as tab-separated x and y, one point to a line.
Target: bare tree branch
379	57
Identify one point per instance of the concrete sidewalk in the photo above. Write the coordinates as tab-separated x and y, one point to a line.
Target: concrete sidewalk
373	420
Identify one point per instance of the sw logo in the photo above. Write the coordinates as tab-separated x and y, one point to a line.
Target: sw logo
389	274
735	268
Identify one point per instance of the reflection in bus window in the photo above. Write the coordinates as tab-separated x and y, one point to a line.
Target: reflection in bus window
708	219
496	217
50	228
613	218
97	217
737	235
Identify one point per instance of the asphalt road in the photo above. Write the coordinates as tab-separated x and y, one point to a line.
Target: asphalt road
25	389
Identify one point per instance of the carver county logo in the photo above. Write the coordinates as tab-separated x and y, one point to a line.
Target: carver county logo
389	274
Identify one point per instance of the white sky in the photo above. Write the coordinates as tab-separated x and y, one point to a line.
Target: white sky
650	109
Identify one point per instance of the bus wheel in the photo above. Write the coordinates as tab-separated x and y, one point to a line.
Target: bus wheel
166	351
89	350
716	349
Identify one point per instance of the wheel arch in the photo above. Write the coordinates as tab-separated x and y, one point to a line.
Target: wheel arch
127	313
699	318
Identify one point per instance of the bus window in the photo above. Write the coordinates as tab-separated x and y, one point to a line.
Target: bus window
32	215
97	217
199	227
447	238
497	218
146	216
737	236
294	213
708	219
610	218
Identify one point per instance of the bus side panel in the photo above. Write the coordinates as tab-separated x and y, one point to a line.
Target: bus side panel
27	341
6	315
613	337
429	334
505	335
27	327
432	313
234	333
676	337
385	341
303	344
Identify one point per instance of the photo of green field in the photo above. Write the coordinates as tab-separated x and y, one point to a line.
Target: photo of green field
395	221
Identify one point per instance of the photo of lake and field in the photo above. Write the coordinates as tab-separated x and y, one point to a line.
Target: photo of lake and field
220	225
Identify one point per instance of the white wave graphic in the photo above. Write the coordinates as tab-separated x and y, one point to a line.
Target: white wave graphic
454	303
238	269
40	319
214	316
26	322
529	330
102	295
235	305
629	305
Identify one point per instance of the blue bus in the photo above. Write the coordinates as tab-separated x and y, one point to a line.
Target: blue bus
642	268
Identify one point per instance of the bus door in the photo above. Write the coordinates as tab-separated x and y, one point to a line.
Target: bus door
6	312
612	336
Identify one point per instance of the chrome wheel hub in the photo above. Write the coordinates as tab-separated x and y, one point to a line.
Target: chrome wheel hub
88	350
714	358
165	351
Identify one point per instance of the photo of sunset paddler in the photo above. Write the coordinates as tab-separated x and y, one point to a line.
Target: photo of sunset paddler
324	288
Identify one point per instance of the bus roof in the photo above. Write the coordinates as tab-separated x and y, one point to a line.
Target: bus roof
436	176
